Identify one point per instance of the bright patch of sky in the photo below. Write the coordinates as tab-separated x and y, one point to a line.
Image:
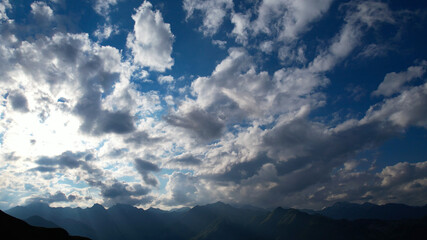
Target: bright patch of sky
297	103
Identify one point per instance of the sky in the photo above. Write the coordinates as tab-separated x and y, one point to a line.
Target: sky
168	104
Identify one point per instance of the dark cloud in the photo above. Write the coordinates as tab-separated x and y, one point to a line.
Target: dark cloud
116	122
144	168
186	159
57	197
240	171
65	160
44	169
204	125
311	151
98	121
118	152
10	156
140	138
69	160
120	192
89	157
18	101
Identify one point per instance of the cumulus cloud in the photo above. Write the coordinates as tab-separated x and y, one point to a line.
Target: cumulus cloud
393	82
151	40
145	168
18	101
67	161
404	110
244	133
236	92
42	12
293	16
165	79
103	7
182	190
52	198
241	24
199	122
141	138
186	160
4	5
213	12
120	192
106	31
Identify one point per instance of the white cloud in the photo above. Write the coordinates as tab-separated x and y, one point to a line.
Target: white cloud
241	24
403	173
374	50
219	43
165	79
103	7
360	14
4	5
213	12
151	41
41	9
404	110
293	16
393	82
105	31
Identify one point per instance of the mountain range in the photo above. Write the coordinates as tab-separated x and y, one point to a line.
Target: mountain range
223	221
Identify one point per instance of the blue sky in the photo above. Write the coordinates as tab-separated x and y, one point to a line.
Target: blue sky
177	103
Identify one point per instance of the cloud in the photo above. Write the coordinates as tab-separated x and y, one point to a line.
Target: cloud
103	7
41	12
4	5
18	101
374	50
241	24
291	18
393	82
213	12
186	160
120	192
151	41
141	138
182	190
199	122
67	160
52	198
403	173
359	15
221	44
251	130
165	79
98	121
106	31
145	168
406	109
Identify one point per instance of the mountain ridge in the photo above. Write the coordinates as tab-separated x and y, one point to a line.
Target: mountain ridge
222	221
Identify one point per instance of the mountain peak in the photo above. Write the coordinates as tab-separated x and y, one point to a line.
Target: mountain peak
219	203
98	206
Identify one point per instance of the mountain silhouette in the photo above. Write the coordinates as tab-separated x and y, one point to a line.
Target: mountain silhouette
391	211
223	221
13	228
38	221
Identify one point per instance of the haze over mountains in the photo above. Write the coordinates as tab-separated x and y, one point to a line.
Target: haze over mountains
223	221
